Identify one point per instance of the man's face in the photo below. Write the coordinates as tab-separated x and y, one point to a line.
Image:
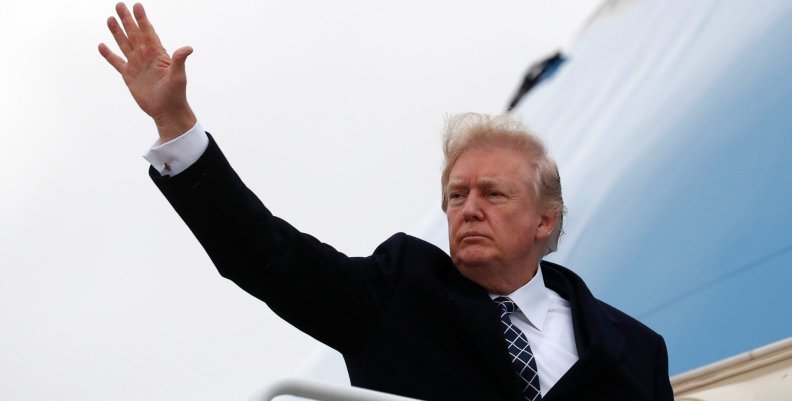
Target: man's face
495	229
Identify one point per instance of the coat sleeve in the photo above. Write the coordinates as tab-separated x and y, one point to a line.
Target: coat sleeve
330	296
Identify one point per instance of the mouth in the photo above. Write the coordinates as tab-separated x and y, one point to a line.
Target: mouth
472	236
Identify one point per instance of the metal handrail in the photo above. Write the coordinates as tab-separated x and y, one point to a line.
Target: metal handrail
323	391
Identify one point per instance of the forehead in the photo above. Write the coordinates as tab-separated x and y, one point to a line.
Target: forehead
490	163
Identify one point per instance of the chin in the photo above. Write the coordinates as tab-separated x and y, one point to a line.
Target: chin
472	254
470	259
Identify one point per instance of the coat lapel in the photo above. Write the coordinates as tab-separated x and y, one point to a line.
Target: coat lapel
478	317
598	340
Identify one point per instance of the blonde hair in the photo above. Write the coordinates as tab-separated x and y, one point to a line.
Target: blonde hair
468	131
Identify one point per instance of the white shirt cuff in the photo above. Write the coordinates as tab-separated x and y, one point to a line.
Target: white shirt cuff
173	157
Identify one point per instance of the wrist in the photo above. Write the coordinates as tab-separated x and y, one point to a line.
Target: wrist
173	125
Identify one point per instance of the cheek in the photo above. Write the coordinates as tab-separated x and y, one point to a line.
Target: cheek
524	232
452	228
453	223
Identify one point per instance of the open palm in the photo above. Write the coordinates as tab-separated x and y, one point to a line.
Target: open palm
156	80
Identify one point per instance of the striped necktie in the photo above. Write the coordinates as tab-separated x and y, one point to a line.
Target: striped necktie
522	357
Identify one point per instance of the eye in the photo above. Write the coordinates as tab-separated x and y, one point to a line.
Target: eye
455	197
496	197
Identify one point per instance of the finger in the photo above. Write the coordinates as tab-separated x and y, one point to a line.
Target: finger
131	28
114	60
146	29
143	22
119	36
179	59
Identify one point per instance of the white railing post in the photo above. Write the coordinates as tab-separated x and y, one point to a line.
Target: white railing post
323	392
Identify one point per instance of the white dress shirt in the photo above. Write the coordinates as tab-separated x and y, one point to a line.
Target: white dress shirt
544	317
546	320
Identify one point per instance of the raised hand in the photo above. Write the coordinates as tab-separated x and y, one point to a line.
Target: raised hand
157	81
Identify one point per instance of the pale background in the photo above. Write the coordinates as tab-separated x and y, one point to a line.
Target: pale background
331	112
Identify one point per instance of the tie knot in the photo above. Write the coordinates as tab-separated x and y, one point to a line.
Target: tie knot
505	304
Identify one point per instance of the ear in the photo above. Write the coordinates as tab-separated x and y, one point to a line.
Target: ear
547	223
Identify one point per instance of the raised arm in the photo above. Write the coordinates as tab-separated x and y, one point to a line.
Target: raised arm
156	80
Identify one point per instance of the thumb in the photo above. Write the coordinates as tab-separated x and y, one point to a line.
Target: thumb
179	58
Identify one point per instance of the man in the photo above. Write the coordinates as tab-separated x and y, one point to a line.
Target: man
492	322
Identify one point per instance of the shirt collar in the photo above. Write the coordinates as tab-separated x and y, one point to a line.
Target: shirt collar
532	299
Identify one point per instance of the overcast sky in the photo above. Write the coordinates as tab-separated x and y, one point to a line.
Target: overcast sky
331	113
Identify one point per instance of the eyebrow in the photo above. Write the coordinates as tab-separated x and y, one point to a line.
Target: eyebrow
480	183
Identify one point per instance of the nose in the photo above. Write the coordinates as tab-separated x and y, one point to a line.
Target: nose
471	210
